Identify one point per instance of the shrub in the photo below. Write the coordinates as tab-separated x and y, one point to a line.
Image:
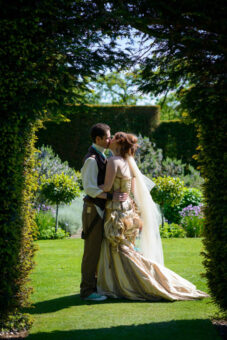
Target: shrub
173	167
15	323
46	226
59	189
172	214
148	158
49	164
192	220
167	191
44	221
172	230
193	225
191	196
79	180
152	163
70	216
192	177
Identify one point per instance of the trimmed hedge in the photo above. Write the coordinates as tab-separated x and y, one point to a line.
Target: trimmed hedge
70	140
211	123
177	139
212	159
18	229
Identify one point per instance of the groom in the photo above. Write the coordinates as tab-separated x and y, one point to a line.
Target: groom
93	175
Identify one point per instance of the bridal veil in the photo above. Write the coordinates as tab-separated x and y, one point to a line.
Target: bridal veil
150	240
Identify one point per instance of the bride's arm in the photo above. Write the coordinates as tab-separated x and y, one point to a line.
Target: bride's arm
111	170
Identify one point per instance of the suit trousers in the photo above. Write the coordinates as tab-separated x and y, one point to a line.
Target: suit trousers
92	247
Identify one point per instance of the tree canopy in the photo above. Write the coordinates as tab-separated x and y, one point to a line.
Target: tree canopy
47	49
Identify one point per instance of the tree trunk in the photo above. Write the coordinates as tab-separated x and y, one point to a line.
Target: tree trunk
162	211
56	224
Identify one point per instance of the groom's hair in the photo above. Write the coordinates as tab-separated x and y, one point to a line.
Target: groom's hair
99	130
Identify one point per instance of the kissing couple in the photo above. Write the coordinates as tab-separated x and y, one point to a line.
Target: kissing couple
117	208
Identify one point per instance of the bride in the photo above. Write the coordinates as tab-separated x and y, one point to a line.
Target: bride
123	271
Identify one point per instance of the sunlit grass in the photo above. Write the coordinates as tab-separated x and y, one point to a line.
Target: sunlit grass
60	314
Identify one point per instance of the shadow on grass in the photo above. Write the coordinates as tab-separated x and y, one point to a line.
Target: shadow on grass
172	330
57	304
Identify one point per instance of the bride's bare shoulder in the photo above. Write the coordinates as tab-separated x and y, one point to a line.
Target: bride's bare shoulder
114	159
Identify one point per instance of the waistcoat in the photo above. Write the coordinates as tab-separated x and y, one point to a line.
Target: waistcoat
101	162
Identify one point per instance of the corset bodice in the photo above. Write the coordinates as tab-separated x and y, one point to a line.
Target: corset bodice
122	184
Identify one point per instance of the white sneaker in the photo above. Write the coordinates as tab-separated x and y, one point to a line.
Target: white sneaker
95	297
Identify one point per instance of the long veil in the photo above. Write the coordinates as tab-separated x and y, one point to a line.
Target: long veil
150	240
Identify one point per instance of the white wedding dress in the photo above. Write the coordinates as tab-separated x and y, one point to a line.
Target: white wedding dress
122	271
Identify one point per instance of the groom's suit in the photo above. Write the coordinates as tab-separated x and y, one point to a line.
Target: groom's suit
93	175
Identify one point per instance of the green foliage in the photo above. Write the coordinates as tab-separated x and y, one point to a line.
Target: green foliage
167	190
70	216
191	196
173	167
49	164
172	230
193	220
177	139
170	107
71	140
79	180
46	227
211	125
59	189
148	158
172	213
151	162
192	177
18	229
193	225
115	88
44	220
17	322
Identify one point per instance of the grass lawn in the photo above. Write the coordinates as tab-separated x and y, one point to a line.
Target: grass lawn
60	314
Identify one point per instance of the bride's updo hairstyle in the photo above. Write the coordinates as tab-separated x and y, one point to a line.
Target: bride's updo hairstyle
127	142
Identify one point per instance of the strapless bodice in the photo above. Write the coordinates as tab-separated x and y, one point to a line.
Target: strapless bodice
122	184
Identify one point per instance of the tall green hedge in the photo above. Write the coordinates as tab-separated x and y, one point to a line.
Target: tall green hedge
18	182
177	140
212	126
70	140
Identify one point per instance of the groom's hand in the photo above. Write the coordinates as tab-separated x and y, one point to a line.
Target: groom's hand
120	196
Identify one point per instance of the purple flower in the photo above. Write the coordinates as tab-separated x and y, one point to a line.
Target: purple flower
43	207
191	210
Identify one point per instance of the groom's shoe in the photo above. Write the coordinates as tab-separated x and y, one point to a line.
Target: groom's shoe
95	297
